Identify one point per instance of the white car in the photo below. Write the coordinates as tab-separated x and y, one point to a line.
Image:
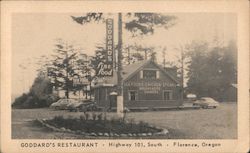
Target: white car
62	103
206	102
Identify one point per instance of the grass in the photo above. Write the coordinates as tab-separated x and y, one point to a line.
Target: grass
219	123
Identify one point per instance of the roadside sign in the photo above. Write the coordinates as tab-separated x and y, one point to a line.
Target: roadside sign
105	68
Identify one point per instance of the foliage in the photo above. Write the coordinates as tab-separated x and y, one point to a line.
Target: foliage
40	95
139	23
67	63
105	126
62	68
211	70
145	23
98	58
18	103
135	53
88	18
41	86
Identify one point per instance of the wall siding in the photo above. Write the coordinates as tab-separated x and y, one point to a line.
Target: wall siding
135	83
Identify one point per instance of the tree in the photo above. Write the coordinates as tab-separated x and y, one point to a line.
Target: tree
197	68
63	68
99	57
145	23
134	53
137	57
211	70
82	64
148	51
39	95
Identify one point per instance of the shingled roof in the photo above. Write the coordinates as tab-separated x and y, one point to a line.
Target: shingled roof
133	68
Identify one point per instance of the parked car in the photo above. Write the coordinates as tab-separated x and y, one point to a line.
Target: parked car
62	103
191	97
85	105
206	102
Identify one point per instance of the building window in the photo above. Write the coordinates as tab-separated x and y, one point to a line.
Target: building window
167	95
132	95
99	94
149	74
106	94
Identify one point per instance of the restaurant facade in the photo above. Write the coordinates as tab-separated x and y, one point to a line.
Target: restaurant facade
146	85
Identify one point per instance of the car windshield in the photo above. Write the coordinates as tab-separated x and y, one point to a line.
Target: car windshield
66	101
61	101
208	100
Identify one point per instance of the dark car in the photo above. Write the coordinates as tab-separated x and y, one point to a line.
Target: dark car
83	106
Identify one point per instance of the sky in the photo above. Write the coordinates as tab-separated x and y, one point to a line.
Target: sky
34	35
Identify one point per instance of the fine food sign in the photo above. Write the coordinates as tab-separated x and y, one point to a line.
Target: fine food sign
105	68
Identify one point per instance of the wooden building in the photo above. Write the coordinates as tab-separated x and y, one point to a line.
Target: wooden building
145	85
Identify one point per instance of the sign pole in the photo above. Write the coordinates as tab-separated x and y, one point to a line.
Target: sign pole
120	107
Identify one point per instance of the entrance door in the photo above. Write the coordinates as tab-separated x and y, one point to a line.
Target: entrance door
113	101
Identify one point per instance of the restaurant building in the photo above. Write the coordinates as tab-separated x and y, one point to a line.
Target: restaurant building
146	85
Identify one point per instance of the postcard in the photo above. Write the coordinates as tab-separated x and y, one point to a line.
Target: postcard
124	76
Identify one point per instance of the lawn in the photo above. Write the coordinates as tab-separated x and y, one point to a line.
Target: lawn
219	123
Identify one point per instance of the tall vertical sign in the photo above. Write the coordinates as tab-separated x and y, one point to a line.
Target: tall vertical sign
105	68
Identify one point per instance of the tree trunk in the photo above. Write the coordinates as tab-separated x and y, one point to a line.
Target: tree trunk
67	74
182	76
128	55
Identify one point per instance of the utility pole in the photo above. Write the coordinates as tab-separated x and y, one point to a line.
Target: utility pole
182	75
164	57
119	70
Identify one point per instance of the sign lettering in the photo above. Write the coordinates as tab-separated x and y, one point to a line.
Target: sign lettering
149	84
150	87
105	68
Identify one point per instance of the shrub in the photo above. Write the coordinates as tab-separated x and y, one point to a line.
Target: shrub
131	122
40	95
99	117
19	101
82	117
115	125
94	116
87	116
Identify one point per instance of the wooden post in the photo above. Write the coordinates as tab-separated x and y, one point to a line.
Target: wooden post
119	70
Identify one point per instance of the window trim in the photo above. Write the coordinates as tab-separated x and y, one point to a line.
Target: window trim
156	71
170	95
129	95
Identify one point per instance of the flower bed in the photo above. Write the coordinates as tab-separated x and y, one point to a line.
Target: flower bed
99	126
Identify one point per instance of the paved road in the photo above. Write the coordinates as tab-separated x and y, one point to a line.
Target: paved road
192	124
